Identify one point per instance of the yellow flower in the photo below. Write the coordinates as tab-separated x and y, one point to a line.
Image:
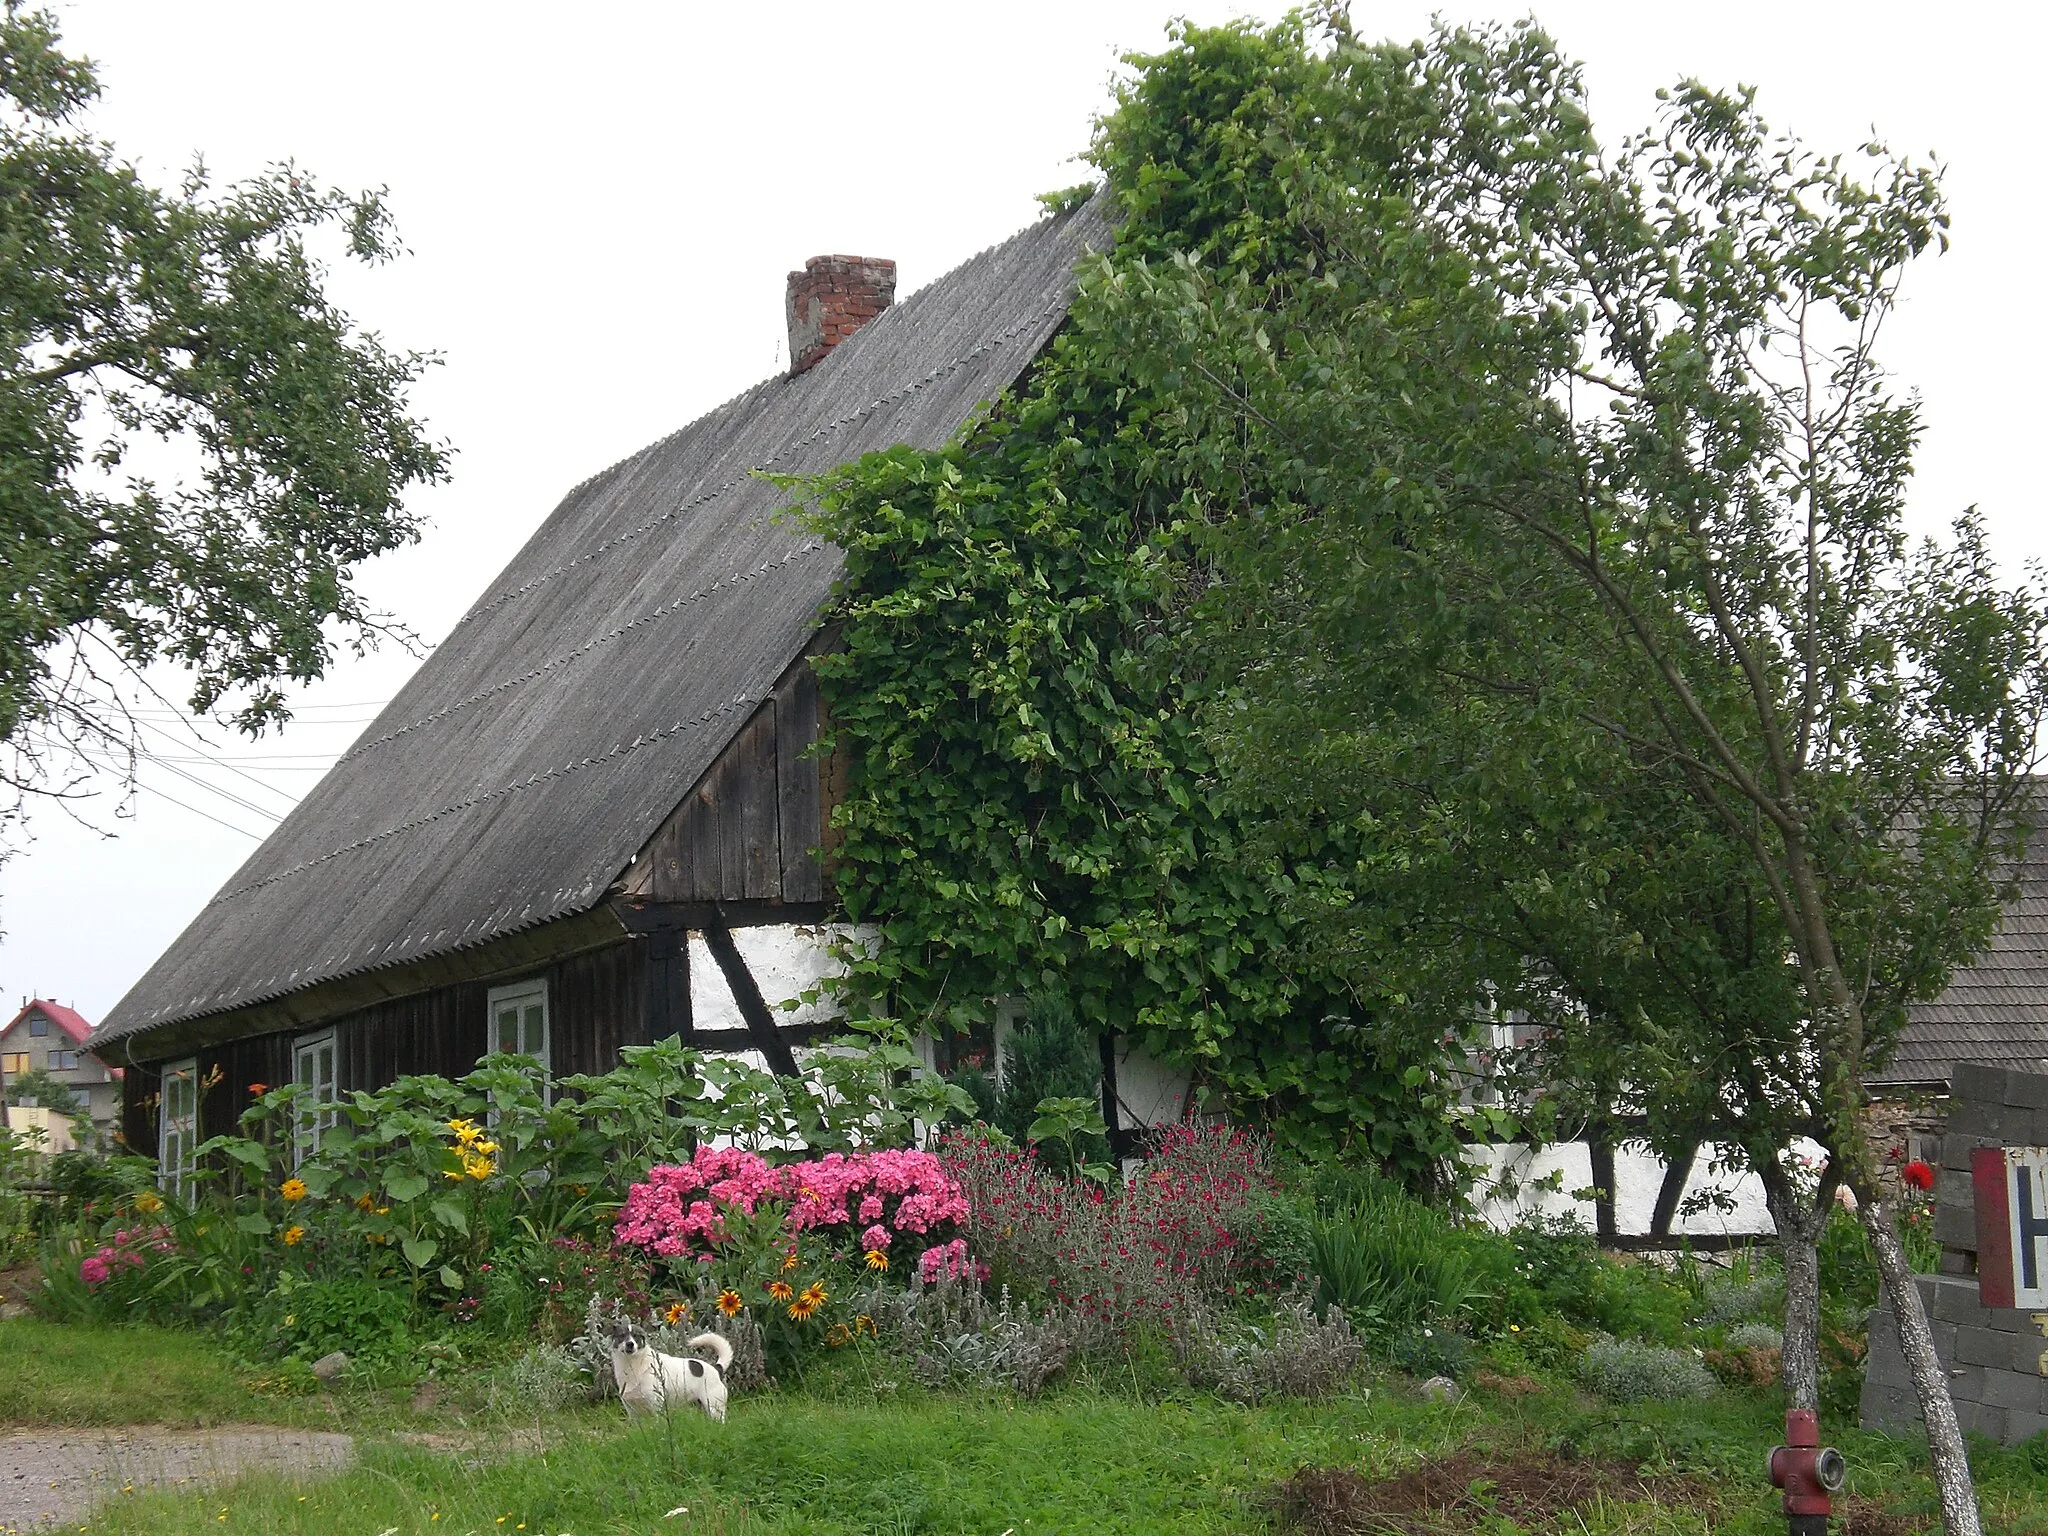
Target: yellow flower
780	1290
790	1261
293	1189
478	1167
675	1313
863	1324
292	1235
465	1131
729	1303
365	1201
148	1204
814	1295
382	1210
837	1336
801	1309
877	1260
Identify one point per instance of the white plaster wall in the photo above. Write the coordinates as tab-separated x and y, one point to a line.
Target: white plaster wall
1637	1176
787	960
1148	1091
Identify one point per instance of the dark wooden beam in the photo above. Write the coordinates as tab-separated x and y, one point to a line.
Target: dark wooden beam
1668	1193
768	1040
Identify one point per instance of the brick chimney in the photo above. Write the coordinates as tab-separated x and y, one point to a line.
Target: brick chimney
833	297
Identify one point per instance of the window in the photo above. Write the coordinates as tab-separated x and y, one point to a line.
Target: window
519	1020
313	1066
14	1063
38	1026
177	1123
63	1061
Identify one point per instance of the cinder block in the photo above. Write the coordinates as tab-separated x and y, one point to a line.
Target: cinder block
1970	1120
1981	1419
1957	1146
2000	1351
2009	1390
1966	1383
1894	1410
1974	1081
1952	1299
1887	1368
2026	1090
2021	1425
1956	1227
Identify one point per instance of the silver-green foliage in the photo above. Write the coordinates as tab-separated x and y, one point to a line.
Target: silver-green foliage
1632	1371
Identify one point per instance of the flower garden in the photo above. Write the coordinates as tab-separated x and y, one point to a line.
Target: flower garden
879	1253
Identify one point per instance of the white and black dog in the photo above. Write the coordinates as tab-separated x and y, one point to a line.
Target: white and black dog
650	1381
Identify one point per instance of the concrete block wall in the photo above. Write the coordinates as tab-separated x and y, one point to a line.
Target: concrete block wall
1996	1358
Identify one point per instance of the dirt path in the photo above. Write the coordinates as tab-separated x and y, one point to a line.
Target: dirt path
48	1477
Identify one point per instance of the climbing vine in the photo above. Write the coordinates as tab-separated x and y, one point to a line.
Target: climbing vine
1030	802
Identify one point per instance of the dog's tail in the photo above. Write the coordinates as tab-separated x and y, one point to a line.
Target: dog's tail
718	1344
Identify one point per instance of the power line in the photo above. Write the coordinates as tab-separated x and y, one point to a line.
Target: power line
167	736
255	837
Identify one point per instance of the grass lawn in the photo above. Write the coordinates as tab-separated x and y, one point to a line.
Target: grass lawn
852	1457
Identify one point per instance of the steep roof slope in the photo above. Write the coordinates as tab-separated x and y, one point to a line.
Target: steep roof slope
1996	1009
517	773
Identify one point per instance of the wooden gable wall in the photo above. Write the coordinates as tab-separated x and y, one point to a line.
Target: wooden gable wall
747	831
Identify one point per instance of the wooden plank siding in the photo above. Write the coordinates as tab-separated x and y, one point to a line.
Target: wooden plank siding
597	1002
748	830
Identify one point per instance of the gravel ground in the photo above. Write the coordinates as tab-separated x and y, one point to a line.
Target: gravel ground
53	1477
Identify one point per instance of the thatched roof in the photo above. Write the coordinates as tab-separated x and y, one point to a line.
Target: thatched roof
515	776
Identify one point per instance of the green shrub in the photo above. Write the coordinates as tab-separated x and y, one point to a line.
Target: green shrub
306	1318
1742	1296
1430	1351
1634	1371
1392	1262
1051	1055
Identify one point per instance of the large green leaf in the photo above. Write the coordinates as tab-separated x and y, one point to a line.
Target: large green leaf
420	1251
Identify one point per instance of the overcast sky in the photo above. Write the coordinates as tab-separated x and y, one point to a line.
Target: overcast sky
601	202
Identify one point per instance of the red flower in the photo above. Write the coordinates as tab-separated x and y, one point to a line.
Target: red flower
1918	1174
258	1088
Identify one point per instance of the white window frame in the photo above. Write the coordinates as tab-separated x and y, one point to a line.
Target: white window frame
177	1133
315	1112
522	996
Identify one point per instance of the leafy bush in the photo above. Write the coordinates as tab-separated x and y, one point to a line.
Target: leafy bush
544	1379
1297	1355
1755	1336
306	1318
1191	1225
953	1332
1741	1296
1050	1055
1391	1262
1635	1371
1423	1350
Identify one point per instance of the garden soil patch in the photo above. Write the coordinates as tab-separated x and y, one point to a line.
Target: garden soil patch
50	1477
1455	1493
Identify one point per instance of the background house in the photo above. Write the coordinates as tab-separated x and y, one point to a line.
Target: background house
50	1038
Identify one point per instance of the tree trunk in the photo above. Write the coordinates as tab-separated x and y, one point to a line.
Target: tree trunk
1799	1224
1930	1383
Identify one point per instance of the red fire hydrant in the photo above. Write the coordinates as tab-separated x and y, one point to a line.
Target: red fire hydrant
1808	1472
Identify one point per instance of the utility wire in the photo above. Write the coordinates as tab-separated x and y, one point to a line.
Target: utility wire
254	837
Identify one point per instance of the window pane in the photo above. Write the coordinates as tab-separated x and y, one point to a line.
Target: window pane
536	1026
14	1063
39	1026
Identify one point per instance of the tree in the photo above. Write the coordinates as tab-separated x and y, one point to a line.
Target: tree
38	1087
1480	412
196	447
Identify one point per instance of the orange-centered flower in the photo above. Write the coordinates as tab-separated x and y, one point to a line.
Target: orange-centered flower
293	1189
877	1260
292	1235
781	1290
789	1261
675	1313
814	1295
729	1303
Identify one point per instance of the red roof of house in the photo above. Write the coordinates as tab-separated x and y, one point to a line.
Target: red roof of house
67	1019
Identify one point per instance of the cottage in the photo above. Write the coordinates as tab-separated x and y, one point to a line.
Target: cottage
593	817
50	1039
